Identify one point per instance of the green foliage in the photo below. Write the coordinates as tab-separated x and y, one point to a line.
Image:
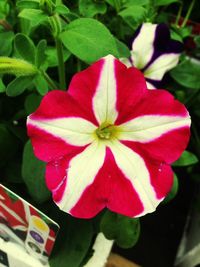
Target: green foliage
2	86
90	8
74	240
133	15
186	159
25	47
165	2
88	30
187	74
40	58
124	230
52	56
128	3
33	171
82	40
173	192
123	50
6	47
18	85
62	10
32	102
30	4
40	84
35	16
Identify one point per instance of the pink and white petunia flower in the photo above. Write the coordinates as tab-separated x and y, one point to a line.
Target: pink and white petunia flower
153	52
108	141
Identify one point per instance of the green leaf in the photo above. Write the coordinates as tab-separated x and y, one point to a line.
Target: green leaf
6	46
165	2
32	102
187	158
197	41
187	74
88	39
111	2
25	47
123	50
35	16
128	3
40	53
18	85
8	145
73	241
2	86
124	230
31	4
52	58
33	171
182	32
133	15
62	10
89	8
41	84
173	192
4	9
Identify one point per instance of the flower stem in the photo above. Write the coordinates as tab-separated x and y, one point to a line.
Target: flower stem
179	14
49	80
117	5
188	13
61	64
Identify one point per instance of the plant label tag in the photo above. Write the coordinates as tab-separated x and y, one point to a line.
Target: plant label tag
25	229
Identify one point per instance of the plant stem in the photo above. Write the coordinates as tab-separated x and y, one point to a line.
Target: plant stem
179	14
117	5
61	64
188	13
49	80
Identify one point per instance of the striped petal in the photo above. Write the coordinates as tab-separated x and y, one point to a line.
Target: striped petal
58	126
73	131
80	172
145	129
157	69
140	175
142	46
159	125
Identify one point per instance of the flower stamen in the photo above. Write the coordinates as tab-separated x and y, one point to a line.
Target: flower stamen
106	131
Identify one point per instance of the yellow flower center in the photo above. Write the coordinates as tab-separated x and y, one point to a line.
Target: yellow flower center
106	131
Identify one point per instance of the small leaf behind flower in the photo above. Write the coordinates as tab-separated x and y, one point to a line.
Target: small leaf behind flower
33	171
187	158
187	74
133	15
173	191
124	230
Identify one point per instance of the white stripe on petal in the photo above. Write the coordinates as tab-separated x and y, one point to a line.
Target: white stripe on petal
104	101
134	168
82	171
126	62
149	127
161	65
150	86
142	46
74	131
